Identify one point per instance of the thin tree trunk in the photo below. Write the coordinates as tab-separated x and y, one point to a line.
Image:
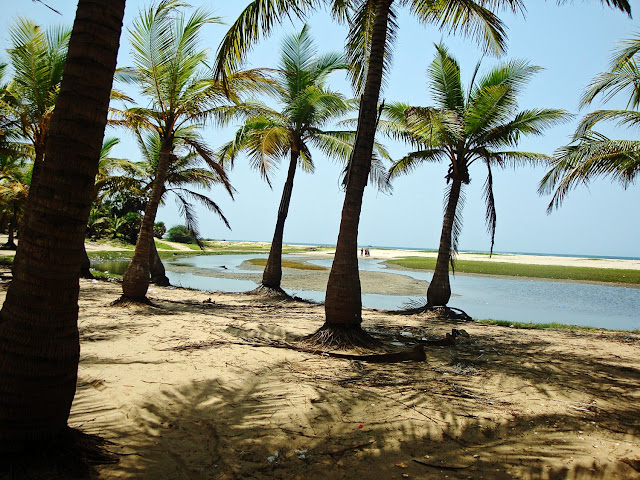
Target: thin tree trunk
11	244
135	281
156	268
85	265
439	291
39	341
272	275
343	304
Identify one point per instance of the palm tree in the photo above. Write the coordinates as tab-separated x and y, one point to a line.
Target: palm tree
170	71
307	106
114	175
15	177
372	30
591	154
39	341
37	60
185	172
462	128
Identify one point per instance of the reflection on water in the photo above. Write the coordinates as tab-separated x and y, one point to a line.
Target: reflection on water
117	267
508	299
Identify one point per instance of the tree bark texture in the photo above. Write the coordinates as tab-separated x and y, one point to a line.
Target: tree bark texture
343	303
272	275
156	268
439	291
135	281
39	342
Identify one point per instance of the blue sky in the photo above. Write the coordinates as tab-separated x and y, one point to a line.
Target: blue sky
572	42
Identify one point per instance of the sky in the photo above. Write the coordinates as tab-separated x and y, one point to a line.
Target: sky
572	42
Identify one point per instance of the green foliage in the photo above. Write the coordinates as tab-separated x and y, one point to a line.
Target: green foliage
480	124
592	155
536	326
587	274
180	234
159	229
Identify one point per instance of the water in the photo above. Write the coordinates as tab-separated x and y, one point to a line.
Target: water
497	298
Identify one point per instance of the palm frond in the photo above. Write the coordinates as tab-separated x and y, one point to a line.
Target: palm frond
590	157
469	17
413	160
456	227
444	81
525	122
623	118
490	213
256	20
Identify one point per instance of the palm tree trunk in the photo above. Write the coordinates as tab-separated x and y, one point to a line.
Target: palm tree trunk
272	274
156	268
343	304
39	342
439	291
11	244
85	265
135	281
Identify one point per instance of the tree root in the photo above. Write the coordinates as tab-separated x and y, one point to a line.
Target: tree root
123	301
277	293
340	336
442	311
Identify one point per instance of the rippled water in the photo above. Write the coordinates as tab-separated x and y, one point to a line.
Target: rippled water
508	299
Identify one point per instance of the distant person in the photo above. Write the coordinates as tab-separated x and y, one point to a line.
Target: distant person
361	251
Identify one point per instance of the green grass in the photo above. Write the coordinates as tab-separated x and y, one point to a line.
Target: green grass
113	242
588	274
536	326
163	245
99	275
547	326
222	247
288	264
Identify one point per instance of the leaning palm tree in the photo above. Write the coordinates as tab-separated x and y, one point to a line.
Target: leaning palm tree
186	173
114	175
170	71
269	135
372	28
39	341
479	125
591	154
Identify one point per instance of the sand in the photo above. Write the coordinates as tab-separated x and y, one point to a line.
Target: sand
190	388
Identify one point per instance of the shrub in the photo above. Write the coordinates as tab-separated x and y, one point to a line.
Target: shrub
180	234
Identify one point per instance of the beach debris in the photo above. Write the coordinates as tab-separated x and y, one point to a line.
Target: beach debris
273	458
302	454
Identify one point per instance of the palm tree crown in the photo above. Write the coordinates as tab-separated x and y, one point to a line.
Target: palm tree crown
591	154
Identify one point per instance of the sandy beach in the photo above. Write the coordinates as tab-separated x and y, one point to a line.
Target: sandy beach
191	389
197	387
194	388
